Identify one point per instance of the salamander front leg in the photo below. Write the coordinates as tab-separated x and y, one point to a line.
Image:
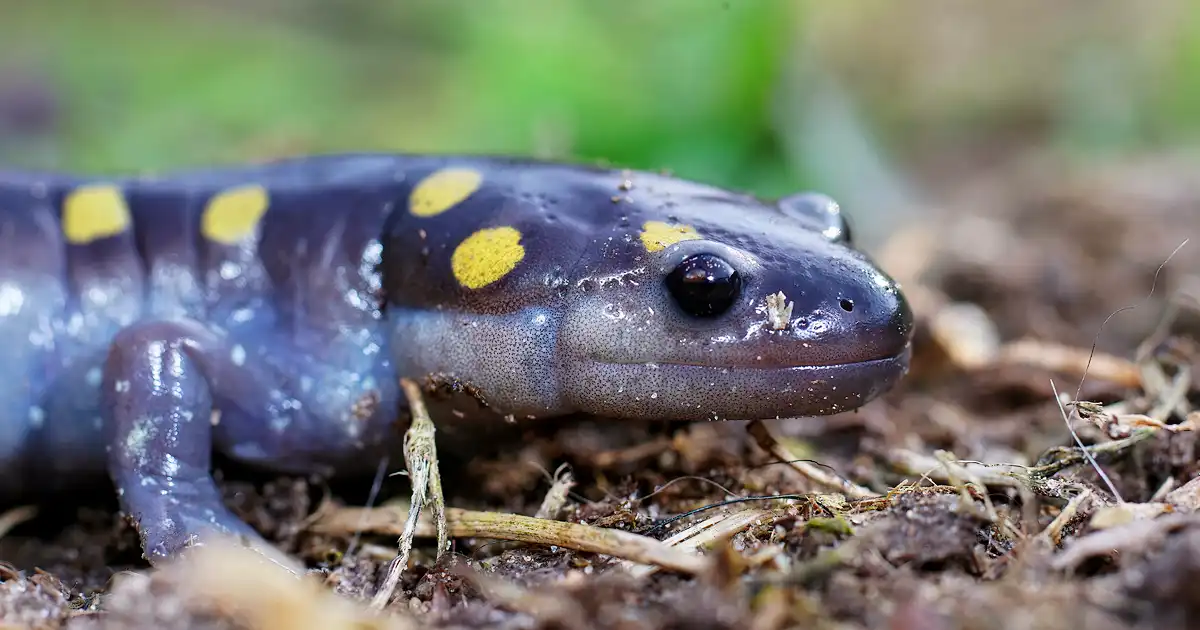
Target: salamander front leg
159	383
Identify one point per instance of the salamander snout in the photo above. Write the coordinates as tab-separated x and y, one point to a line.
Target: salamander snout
860	315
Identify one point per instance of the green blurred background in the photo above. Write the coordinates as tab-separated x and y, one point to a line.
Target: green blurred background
875	101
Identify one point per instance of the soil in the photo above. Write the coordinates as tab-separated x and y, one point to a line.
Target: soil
1012	279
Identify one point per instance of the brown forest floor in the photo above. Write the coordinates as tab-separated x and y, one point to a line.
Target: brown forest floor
1044	254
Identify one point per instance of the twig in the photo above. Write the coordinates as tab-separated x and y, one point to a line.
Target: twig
1053	532
1092	460
460	523
770	444
705	533
16	516
420	455
912	463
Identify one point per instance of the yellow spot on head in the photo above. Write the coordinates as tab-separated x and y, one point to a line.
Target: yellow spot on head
92	212
486	256
443	190
233	215
657	235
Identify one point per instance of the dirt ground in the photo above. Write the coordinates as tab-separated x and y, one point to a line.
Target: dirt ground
1011	279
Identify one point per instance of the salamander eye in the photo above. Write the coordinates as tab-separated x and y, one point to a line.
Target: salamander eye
821	212
704	285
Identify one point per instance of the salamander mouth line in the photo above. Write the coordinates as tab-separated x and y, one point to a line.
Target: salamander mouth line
768	367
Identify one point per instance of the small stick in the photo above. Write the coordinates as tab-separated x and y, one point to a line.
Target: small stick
420	455
1082	447
16	516
1052	535
767	442
705	533
515	527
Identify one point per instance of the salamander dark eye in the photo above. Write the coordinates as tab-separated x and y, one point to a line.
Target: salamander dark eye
704	285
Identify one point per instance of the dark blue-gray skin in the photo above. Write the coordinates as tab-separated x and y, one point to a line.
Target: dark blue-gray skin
266	312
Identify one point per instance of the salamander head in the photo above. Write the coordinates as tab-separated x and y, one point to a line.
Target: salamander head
552	289
736	313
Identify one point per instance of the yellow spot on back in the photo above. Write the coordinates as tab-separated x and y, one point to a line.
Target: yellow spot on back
443	190
657	235
486	256
233	215
93	212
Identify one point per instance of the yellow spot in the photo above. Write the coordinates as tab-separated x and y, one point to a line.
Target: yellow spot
657	235
486	256
443	190
233	215
93	212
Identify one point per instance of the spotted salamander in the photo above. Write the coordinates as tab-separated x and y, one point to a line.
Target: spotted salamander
266	313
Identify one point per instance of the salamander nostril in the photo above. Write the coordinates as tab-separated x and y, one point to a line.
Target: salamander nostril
847	305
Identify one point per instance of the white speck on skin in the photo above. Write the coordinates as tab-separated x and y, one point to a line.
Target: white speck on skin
170	465
230	270
39	339
138	439
12	298
98	296
238	355
74	325
121	386
778	311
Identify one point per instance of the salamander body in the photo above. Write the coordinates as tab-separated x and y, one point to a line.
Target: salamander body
266	312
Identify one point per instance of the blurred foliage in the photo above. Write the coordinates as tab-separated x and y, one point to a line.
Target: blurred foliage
721	91
680	84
